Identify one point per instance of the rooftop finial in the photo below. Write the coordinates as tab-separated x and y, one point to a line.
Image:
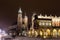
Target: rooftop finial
55	16
20	11
45	15
40	14
25	14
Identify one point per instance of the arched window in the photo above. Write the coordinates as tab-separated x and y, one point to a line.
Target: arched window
41	33
54	33
48	32
59	32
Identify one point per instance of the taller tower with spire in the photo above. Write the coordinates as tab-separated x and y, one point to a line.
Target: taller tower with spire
19	20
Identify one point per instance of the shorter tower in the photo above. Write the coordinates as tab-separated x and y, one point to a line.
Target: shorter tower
25	21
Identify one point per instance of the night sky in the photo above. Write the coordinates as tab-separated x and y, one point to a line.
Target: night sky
9	9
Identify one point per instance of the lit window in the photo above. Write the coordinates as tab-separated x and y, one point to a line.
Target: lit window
59	32
43	23
40	23
48	31
49	24
41	33
46	23
36	33
54	33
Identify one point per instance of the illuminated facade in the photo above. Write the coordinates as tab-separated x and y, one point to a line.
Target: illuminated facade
46	26
42	26
55	20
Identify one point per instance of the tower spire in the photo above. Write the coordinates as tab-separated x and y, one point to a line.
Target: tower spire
20	11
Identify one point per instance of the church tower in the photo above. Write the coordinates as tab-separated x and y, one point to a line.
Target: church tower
25	20
19	20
